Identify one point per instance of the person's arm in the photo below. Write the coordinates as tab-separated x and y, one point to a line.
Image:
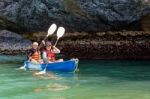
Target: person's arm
56	50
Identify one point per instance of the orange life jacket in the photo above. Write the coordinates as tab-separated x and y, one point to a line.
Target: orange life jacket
36	55
50	55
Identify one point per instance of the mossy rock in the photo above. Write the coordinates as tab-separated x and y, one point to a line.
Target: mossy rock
146	22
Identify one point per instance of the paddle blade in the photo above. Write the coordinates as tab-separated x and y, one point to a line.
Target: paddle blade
40	73
21	67
52	29
60	32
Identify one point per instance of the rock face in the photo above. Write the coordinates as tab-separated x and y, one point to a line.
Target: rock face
12	43
75	15
103	45
6	24
107	45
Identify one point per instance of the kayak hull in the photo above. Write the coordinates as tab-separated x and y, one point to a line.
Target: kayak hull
65	66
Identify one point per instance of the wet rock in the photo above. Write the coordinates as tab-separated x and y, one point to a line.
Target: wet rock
102	45
110	45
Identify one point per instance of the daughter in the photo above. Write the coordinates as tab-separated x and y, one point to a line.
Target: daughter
49	53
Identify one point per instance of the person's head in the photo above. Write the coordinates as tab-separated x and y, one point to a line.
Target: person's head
48	45
35	45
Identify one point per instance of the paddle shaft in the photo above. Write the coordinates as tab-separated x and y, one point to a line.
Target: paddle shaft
56	42
41	42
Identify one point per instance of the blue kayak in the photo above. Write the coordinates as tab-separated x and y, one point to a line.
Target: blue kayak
65	66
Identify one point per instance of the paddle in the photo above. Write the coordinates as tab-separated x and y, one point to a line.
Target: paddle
51	31
60	33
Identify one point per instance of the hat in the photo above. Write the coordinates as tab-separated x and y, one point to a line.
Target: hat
35	43
48	43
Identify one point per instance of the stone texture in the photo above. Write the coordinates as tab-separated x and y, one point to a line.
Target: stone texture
12	43
107	45
102	45
145	21
75	15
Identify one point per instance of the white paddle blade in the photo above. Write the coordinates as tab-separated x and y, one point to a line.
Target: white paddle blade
22	67
52	29
60	32
40	73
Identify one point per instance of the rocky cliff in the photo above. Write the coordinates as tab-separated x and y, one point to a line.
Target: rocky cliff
75	15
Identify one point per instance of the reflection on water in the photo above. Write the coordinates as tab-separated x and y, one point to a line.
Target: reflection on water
95	80
52	87
57	87
48	75
38	90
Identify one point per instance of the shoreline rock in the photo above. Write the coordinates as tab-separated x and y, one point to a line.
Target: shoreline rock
12	43
108	45
103	45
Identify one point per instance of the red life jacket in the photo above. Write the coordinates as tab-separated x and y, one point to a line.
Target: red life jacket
50	55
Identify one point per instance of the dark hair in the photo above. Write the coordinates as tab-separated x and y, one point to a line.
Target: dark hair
52	47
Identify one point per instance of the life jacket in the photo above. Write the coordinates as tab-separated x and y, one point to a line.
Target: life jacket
50	55
36	55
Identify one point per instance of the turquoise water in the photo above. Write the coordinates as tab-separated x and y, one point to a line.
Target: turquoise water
97	79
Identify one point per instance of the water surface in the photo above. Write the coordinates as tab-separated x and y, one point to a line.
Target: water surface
96	79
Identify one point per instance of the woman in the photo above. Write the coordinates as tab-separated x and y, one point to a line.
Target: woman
34	54
49	53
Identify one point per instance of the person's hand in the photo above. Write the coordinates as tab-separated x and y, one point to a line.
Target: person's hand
30	58
54	46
